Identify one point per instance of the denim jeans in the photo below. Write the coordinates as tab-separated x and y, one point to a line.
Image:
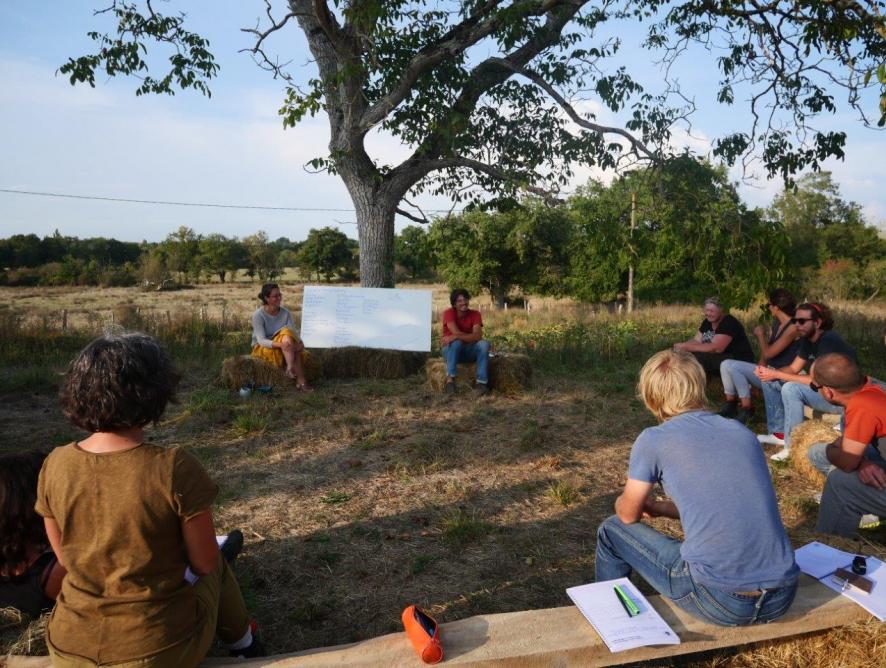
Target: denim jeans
622	548
774	406
794	397
785	402
478	352
818	458
846	498
737	377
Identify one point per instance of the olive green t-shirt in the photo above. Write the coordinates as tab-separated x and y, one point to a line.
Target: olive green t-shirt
120	516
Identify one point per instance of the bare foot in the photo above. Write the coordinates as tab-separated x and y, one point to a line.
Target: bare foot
304	387
291	374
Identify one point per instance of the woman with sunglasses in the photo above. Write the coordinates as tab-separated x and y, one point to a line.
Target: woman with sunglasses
777	350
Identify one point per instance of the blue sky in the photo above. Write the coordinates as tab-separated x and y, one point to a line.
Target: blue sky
232	149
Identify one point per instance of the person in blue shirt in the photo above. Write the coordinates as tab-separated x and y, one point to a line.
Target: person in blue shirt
735	565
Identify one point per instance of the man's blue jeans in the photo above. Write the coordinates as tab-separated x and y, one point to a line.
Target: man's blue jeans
459	352
784	406
622	548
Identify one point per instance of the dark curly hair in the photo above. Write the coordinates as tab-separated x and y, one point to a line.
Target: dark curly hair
819	312
458	292
21	528
118	381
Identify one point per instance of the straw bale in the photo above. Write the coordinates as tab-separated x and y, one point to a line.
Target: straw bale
805	435
356	362
243	369
508	373
21	635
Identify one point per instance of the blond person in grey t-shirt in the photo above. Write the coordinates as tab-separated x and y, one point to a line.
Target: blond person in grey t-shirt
273	336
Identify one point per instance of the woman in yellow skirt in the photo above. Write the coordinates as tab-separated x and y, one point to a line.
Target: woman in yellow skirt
273	336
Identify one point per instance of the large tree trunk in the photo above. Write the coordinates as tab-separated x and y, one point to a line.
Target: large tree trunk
375	207
376	230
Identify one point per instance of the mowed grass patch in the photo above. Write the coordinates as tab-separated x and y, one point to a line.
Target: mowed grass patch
444	508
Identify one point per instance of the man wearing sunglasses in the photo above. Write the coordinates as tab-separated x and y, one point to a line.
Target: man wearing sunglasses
787	391
853	463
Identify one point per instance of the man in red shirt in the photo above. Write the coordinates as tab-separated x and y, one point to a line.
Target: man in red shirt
463	341
856	485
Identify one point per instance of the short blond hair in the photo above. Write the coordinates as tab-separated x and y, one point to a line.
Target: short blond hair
672	382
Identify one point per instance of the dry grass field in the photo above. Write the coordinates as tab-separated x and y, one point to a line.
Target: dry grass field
368	495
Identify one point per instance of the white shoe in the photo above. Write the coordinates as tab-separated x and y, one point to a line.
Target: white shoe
770	439
817	497
781	455
868	520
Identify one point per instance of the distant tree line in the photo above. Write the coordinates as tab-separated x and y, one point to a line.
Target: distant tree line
183	257
681	231
692	236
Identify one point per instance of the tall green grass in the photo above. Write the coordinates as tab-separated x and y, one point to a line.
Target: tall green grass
34	352
571	339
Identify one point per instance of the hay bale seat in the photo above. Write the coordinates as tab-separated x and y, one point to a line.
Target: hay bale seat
242	369
557	637
806	434
508	373
350	362
356	362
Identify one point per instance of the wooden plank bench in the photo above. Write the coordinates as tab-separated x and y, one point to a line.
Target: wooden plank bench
556	637
830	418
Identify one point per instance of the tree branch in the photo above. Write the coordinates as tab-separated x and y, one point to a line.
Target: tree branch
261	58
636	145
428	166
484	76
454	42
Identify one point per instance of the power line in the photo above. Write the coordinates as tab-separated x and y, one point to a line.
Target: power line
168	203
196	204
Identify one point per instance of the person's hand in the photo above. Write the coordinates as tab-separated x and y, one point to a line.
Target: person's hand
678	346
759	330
871	474
446	340
765	374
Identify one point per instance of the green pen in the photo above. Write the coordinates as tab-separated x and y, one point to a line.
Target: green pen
626	601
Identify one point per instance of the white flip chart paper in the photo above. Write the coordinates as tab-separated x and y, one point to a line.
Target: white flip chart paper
391	318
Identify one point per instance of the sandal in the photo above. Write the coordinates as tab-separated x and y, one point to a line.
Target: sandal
303	387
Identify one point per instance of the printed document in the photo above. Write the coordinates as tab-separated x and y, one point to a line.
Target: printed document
820	561
601	606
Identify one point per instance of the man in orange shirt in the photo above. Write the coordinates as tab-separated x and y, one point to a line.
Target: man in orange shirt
856	485
462	341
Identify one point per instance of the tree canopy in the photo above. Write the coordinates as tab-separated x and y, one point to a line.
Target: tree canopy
694	237
485	93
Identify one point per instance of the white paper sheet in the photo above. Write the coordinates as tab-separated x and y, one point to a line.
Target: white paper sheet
820	561
394	319
602	608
